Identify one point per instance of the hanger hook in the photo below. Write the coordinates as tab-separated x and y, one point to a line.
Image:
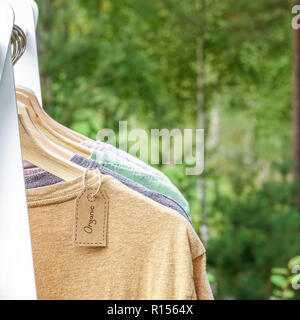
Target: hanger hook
18	41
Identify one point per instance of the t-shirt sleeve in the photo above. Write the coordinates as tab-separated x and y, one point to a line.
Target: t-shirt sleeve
202	286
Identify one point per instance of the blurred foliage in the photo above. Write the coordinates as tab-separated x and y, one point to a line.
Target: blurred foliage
286	280
103	61
256	230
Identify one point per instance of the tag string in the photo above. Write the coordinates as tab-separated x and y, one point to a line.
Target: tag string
99	181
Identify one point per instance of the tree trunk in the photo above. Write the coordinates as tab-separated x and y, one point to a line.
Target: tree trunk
201	186
296	108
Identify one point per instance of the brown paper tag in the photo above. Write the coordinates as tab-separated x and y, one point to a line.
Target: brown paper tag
91	215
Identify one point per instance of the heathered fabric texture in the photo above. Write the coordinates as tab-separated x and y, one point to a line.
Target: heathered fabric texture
34	170
28	165
40	178
151	252
121	156
148	180
124	157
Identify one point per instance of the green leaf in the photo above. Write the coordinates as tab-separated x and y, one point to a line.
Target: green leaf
294	262
278	280
282	271
288	294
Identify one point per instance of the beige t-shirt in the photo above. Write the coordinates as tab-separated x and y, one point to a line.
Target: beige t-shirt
152	252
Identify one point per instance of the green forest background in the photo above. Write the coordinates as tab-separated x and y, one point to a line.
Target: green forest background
226	65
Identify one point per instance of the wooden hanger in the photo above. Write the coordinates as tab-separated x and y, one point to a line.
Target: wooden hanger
53	135
41	152
54	125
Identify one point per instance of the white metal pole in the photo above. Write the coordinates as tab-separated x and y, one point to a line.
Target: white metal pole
16	263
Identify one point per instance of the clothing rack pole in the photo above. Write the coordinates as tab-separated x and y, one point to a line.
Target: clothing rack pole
26	14
16	263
